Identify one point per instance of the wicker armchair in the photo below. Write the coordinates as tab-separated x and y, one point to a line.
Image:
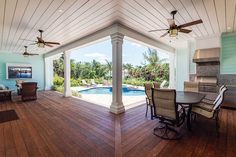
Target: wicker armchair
148	91
169	113
29	91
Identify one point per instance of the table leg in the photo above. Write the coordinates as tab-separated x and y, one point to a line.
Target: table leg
189	125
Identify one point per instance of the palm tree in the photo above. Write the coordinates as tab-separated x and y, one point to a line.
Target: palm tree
127	67
109	66
151	56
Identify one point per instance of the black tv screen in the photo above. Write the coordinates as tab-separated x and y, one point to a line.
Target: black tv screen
19	72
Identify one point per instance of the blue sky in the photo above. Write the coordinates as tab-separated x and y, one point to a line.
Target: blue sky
132	53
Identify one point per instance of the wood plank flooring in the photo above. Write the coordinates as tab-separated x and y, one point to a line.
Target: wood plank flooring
57	126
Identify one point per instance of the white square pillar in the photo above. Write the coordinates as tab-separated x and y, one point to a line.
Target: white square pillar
67	71
172	71
117	104
48	73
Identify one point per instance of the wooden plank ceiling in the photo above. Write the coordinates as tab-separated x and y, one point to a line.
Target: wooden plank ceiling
67	20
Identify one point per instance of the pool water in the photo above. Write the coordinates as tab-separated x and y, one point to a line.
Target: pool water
108	90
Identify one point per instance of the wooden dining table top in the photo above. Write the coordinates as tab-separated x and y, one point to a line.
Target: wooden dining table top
189	97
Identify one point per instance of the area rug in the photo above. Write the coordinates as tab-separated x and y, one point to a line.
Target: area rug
9	115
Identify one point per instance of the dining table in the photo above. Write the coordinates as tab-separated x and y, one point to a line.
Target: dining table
190	99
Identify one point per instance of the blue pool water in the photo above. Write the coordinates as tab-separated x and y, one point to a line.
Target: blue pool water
108	90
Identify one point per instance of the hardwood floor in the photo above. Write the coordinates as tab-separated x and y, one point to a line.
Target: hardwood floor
57	126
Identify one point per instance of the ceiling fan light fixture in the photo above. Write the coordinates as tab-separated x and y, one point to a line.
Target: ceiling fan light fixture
173	32
41	45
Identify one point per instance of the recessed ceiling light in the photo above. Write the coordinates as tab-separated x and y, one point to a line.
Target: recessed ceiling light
60	10
229	27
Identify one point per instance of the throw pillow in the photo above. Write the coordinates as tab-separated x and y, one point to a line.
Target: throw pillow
2	87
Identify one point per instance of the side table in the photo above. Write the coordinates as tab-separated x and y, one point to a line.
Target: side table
5	95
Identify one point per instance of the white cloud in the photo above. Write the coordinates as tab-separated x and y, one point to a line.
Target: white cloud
92	55
97	56
137	45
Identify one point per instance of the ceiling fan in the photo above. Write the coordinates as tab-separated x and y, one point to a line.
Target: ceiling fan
26	53
174	29
41	43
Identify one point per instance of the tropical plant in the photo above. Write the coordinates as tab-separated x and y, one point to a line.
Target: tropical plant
109	66
155	69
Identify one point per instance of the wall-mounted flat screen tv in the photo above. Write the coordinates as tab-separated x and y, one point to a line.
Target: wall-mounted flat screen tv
19	71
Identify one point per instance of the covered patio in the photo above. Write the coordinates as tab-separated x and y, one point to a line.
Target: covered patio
35	32
57	126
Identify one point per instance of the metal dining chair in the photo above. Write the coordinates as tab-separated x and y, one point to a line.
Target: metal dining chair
191	86
211	110
156	85
168	112
148	92
210	98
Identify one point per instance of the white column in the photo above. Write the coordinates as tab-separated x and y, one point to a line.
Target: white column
67	71
48	73
117	104
172	71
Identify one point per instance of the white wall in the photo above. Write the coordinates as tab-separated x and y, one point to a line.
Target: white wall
192	48
182	66
208	42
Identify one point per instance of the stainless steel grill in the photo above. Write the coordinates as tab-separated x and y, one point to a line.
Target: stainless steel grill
207	61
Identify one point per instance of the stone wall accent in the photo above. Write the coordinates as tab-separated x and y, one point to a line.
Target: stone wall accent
208	69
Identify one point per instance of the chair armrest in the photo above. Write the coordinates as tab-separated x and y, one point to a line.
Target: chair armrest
207	103
208	99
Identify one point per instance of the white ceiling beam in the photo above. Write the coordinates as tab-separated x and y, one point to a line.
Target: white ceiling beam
106	32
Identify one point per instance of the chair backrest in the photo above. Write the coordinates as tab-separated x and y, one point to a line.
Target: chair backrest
92	81
148	90
163	84
219	99
156	85
29	88
191	86
164	101
84	82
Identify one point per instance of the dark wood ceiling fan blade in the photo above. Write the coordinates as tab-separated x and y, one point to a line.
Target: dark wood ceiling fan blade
49	42
33	54
155	30
165	34
185	30
40	40
48	45
190	24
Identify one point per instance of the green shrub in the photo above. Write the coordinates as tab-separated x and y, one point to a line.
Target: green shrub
58	88
75	93
61	90
75	82
135	81
99	80
58	81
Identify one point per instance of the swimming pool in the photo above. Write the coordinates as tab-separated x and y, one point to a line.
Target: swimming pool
126	91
